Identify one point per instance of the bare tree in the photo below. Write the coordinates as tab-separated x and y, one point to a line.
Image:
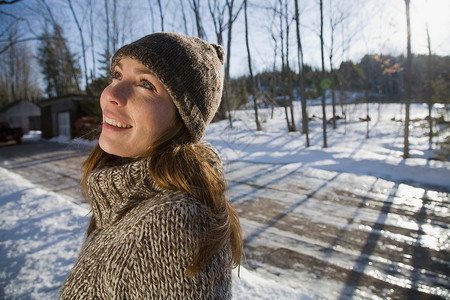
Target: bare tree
115	28
286	85
152	18
91	35
290	90
161	14
83	47
18	80
8	2
337	17
195	6
324	114
118	27
183	13
108	41
367	84
273	79
407	82
252	79
232	16
217	13
428	91
10	22
305	129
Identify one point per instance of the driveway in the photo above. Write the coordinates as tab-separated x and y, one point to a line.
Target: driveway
330	235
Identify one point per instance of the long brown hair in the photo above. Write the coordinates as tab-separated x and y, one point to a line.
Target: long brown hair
195	169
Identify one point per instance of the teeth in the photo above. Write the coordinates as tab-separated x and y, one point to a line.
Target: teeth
116	123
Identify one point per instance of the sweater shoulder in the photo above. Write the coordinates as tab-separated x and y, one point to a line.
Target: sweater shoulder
173	200
170	206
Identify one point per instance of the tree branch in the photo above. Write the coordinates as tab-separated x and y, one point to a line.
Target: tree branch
2	50
9	2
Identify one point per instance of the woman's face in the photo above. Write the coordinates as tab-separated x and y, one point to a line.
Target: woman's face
136	110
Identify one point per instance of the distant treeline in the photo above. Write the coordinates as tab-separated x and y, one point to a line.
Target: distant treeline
378	75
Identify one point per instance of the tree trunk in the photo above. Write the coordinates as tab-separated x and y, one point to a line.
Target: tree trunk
283	67
333	97
217	16
91	25
108	41
301	75
161	15
324	114
152	18
12	71
332	73
184	18
367	80
428	93
289	73
252	80
83	47
273	78
115	34
198	22
407	81
231	19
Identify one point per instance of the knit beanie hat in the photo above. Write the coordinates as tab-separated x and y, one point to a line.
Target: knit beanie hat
189	68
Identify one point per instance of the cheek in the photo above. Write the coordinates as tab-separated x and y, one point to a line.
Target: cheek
169	112
159	117
103	96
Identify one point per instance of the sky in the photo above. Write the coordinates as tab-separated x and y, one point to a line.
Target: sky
369	26
372	26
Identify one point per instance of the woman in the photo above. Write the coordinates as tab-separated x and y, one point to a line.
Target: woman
161	225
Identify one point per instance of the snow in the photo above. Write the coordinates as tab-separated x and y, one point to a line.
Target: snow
41	232
380	155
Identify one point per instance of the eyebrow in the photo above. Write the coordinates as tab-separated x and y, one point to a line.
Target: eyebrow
142	70
138	70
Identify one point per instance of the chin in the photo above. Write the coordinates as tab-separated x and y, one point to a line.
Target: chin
107	147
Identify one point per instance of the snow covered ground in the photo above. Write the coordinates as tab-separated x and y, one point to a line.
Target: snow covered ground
348	150
42	231
40	236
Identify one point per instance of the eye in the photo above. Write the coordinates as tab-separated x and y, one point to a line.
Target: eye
147	85
116	75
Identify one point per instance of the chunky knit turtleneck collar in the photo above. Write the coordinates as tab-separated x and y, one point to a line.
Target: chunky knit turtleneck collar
113	189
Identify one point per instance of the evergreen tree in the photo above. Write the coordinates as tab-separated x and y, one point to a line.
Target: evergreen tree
59	66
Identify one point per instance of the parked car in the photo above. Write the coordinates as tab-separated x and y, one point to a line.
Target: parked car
8	134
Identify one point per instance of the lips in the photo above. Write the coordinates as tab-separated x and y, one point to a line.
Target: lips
115	123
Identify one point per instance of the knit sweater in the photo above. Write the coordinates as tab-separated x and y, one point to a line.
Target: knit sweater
145	238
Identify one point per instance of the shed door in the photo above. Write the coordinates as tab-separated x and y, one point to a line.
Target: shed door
64	124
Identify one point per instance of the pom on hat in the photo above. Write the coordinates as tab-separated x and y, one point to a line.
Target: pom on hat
189	68
220	52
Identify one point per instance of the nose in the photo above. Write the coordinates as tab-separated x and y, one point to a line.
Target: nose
115	94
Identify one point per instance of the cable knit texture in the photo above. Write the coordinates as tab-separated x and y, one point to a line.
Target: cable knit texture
145	239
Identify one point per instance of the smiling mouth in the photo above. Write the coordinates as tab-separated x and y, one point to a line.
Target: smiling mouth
116	123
